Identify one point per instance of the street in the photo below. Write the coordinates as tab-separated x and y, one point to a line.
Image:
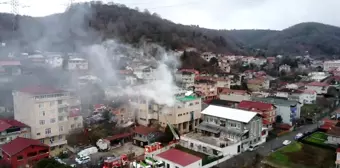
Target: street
265	149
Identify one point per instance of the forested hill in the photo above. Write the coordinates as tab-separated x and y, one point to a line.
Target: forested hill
316	38
66	31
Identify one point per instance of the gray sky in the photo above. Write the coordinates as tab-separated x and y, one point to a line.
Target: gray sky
217	14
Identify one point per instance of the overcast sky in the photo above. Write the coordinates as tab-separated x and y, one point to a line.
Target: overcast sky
217	14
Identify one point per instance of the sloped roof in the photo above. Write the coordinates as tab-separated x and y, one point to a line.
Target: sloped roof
253	105
7	123
179	157
19	144
37	90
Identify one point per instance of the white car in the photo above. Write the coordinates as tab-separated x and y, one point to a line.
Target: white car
82	159
286	142
252	148
298	136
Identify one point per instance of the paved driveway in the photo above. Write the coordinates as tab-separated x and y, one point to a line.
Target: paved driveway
265	149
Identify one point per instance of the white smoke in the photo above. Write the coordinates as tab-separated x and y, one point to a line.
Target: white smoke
161	90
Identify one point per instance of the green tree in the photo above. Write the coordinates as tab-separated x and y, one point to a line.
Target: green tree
50	163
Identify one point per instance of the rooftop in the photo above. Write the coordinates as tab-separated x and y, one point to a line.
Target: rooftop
19	144
39	90
186	98
6	123
144	130
254	106
275	101
179	157
229	113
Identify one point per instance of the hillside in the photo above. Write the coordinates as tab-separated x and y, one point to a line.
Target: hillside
316	38
86	24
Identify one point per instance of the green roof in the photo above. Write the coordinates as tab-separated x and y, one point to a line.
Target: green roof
186	98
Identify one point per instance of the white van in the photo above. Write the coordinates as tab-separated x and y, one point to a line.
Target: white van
82	159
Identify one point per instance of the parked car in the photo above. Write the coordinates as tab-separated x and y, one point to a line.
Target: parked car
82	159
252	148
286	142
298	136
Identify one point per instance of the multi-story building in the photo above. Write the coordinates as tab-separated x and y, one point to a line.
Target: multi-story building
184	115
226	131
206	87
77	64
186	77
23	152
266	110
11	129
145	73
51	113
303	96
233	95
258	84
330	65
289	110
285	68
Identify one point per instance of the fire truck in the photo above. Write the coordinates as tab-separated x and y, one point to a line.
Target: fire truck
152	147
113	162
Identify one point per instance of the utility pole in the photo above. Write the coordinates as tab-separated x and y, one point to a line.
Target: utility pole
15	11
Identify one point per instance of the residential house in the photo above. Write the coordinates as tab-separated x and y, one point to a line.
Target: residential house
318	76
258	84
319	87
186	77
266	110
174	158
225	131
10	67
208	55
144	135
303	96
206	87
53	113
77	64
289	110
334	134
24	152
145	73
224	65
11	129
233	95
223	83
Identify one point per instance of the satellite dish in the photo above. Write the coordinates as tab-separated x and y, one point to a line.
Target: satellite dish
188	93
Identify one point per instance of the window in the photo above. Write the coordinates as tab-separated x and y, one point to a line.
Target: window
232	124
19	157
42	122
41	105
48	131
43	113
43	151
51	139
52	120
72	126
60	118
60	110
38	133
61	128
60	137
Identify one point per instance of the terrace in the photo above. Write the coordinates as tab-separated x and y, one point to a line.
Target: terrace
218	142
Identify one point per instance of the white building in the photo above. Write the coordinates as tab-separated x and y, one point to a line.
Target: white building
51	114
145	73
174	158
226	132
208	55
330	65
11	129
77	64
55	61
319	87
186	77
318	76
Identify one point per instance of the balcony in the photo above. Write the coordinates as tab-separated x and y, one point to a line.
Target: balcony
57	143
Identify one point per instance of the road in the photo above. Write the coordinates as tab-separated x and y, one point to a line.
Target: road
265	149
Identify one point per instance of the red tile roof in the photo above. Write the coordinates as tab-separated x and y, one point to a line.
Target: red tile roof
6	123
254	106
144	130
19	144
189	70
179	157
9	63
256	81
36	90
320	84
118	136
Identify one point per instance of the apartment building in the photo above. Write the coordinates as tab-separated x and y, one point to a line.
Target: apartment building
258	84
145	72
184	115
51	113
233	95
226	131
330	65
186	77
266	110
319	87
206	87
11	129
